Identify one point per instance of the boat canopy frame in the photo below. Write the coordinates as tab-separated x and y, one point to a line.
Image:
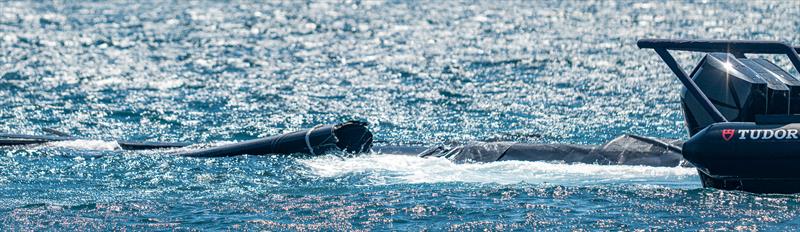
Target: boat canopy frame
736	47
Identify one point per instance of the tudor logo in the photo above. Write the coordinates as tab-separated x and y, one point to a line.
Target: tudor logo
727	134
753	134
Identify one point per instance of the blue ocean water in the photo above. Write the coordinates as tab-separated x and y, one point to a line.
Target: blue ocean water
422	73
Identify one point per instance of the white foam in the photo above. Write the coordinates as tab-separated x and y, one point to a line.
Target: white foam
391	169
87	144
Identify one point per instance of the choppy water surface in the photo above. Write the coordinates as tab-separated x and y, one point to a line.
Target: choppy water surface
420	72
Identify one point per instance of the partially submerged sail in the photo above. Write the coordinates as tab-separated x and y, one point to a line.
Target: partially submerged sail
623	150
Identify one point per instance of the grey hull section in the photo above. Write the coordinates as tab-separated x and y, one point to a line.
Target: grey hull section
623	150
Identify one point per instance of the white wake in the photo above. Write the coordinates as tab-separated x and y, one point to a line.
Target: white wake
87	144
391	169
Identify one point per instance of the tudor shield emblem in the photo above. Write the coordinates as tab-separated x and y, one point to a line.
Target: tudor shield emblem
727	134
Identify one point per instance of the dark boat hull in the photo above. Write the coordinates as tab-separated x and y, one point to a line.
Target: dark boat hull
754	185
747	156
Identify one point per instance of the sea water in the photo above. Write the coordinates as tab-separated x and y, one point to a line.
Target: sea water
421	73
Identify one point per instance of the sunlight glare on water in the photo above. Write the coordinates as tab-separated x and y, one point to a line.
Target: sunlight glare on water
421	73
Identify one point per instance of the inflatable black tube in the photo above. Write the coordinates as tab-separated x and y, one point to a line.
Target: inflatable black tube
752	157
352	137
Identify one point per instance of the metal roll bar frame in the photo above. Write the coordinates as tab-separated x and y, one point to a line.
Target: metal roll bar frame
736	47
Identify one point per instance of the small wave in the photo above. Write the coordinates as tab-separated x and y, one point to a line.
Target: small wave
392	169
87	144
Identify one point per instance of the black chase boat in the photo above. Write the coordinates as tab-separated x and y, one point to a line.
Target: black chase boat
743	114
